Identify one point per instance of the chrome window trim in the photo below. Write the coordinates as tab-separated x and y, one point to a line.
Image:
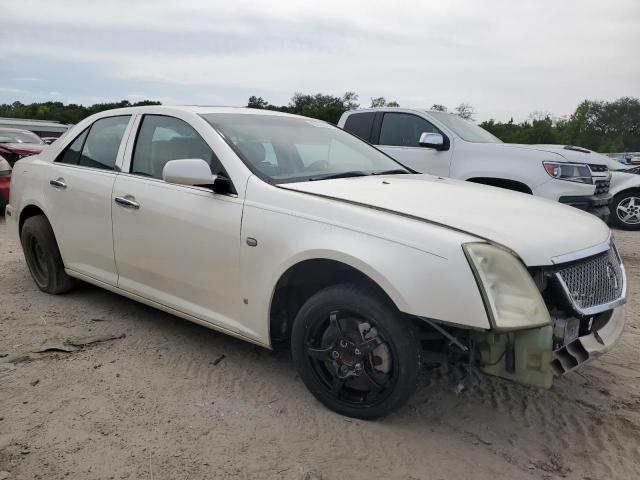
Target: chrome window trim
580	254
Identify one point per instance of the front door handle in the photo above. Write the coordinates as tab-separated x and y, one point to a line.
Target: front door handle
127	201
58	183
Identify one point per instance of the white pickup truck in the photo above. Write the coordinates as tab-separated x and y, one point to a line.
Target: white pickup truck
446	145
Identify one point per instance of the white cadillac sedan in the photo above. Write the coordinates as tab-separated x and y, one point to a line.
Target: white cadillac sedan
274	227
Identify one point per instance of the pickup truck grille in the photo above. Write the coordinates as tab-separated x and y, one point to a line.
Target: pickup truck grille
594	283
602	187
598	168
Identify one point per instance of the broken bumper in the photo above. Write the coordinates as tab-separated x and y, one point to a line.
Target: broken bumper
586	348
529	357
597	205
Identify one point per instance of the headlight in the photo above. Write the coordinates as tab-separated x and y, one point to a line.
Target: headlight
572	172
510	294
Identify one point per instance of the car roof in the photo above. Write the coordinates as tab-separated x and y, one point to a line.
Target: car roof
197	109
395	109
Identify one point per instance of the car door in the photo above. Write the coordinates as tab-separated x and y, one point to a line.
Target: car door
78	196
177	245
398	137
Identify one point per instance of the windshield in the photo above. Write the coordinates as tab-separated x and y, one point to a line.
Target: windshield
465	129
19	137
290	149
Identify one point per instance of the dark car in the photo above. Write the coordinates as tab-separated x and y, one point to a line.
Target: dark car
16	144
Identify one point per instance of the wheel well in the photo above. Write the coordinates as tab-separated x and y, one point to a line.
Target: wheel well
28	211
502	183
303	280
628	190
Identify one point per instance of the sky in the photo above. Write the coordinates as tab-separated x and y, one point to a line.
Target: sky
507	58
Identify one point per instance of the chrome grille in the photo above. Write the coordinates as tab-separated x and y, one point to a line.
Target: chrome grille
593	284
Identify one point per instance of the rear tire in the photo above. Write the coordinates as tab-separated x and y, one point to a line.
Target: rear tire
43	256
355	352
625	210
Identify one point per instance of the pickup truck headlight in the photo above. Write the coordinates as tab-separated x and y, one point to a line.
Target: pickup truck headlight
510	294
572	172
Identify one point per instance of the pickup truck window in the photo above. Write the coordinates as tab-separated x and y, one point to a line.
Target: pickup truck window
465	129
403	129
288	149
360	124
162	138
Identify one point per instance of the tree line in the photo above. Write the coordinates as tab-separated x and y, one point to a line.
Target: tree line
598	125
57	111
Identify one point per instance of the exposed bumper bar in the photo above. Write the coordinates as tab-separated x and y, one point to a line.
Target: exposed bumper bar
591	346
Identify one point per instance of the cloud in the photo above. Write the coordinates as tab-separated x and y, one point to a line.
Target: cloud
506	58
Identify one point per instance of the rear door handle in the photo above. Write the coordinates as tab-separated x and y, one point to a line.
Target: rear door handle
58	183
127	202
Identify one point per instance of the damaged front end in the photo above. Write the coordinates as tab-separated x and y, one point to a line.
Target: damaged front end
584	298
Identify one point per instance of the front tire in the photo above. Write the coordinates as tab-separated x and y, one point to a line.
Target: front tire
43	256
625	210
355	352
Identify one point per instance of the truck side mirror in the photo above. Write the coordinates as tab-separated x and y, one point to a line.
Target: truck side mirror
432	140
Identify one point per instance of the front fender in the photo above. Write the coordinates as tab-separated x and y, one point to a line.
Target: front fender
433	281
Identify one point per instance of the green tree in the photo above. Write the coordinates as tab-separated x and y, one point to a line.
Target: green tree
257	102
382	102
465	111
57	111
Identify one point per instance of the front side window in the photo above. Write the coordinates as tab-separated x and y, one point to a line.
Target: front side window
403	129
288	149
97	147
162	138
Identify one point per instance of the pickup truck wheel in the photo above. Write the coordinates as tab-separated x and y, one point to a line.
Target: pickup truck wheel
354	352
43	256
626	210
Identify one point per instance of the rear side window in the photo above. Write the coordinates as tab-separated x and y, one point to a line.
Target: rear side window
71	154
162	138
403	129
359	124
97	147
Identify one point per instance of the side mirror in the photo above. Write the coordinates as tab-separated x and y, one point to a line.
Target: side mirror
432	140
188	171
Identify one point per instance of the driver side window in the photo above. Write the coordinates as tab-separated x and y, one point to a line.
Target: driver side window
161	138
403	129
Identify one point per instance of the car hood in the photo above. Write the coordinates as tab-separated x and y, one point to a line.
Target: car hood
571	154
536	229
22	148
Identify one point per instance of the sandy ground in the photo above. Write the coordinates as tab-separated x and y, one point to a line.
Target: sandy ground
159	404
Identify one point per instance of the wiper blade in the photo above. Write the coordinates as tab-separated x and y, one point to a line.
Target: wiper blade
395	171
352	173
